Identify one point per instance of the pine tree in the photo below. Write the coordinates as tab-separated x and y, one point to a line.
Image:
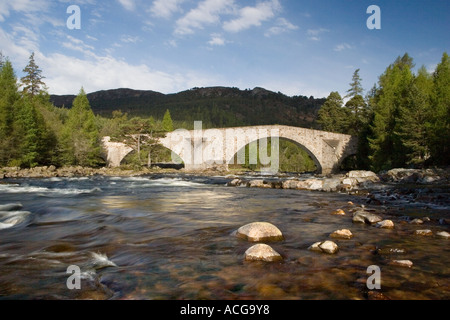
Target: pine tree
355	86
332	116
167	123
440	120
32	82
387	150
9	96
80	138
413	118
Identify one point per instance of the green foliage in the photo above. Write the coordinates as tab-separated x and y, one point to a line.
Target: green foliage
167	124
332	115
32	81
80	137
355	86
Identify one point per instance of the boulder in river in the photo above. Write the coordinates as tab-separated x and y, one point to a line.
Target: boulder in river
416	221
443	234
425	232
385	224
342	234
262	252
326	246
259	231
362	216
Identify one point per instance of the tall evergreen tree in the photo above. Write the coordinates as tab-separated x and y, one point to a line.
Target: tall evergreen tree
9	97
332	115
167	123
32	81
414	117
80	138
440	120
355	86
387	150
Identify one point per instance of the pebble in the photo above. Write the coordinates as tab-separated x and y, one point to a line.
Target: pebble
362	216
262	252
259	231
416	221
385	224
425	232
339	212
402	263
342	234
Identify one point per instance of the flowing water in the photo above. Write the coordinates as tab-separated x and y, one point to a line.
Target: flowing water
171	237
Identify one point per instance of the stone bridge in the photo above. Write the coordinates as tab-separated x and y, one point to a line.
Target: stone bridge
212	148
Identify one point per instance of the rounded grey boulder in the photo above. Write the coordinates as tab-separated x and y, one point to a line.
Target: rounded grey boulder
259	231
262	252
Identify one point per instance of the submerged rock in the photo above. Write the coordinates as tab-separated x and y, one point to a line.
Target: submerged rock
339	212
262	252
259	231
402	263
362	216
326	246
443	234
342	234
425	232
385	224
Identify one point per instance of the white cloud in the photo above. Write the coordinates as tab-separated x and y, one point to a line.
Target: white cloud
281	26
313	34
207	12
216	40
342	46
165	8
128	4
130	39
253	16
23	6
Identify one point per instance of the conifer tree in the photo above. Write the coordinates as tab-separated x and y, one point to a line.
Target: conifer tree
332	116
355	86
32	81
80	138
167	123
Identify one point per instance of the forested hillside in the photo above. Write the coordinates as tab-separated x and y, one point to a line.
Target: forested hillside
215	106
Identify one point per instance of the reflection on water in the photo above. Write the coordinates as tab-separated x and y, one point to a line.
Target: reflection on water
171	238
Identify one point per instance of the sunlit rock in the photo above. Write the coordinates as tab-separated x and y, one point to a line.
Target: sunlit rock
425	232
362	216
416	221
443	234
259	231
339	212
326	246
402	263
385	224
342	234
262	252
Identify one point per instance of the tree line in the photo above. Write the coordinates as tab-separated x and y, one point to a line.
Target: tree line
404	120
34	132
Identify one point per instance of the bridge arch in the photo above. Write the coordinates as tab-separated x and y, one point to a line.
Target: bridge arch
316	161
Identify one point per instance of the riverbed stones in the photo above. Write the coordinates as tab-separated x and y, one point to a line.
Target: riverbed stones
325	246
342	234
402	263
338	212
416	221
362	216
424	232
385	224
443	234
259	231
262	252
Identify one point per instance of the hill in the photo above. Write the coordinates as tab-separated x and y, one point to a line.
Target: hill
215	106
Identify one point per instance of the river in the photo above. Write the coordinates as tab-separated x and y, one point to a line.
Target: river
171	237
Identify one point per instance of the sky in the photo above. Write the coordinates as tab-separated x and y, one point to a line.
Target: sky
297	47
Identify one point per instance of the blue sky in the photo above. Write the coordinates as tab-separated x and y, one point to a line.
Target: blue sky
309	47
